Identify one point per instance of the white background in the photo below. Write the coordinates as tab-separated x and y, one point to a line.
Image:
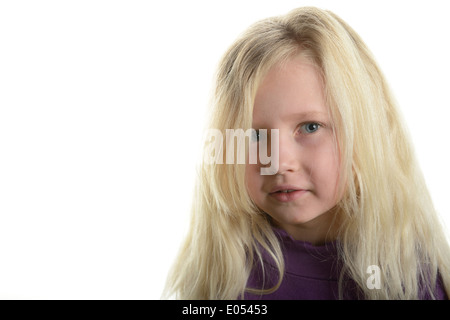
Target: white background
101	111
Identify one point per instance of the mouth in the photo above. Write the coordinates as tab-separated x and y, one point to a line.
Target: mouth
286	193
284	188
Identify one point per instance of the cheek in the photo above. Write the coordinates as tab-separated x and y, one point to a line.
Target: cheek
253	181
325	172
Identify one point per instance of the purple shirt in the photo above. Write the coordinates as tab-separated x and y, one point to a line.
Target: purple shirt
312	272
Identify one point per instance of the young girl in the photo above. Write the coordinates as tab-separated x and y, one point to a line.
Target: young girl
347	214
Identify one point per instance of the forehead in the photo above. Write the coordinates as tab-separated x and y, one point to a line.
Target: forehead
291	88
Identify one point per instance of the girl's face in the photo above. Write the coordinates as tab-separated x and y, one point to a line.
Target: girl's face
291	99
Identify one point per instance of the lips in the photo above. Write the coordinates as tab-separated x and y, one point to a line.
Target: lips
286	193
285	189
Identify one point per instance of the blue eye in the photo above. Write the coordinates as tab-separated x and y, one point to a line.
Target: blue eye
258	135
310	127
255	136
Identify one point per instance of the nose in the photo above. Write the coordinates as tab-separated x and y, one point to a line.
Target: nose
289	160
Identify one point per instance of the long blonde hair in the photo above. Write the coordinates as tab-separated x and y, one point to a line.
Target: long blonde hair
386	215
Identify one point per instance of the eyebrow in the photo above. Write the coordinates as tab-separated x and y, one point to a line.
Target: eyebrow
307	114
302	115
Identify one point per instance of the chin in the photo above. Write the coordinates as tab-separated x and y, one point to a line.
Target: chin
294	219
298	218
